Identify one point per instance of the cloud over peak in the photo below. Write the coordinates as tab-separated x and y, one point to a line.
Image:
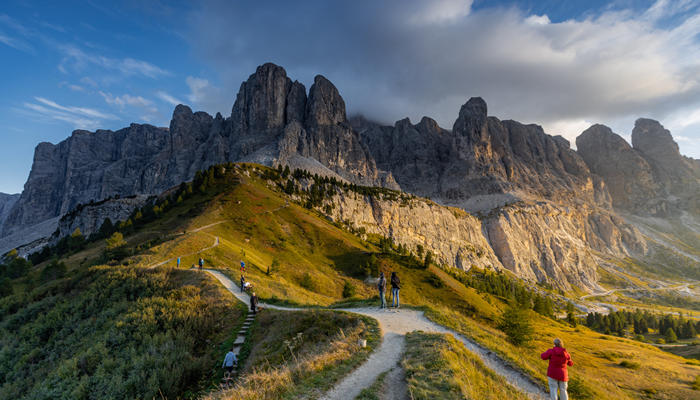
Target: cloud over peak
413	58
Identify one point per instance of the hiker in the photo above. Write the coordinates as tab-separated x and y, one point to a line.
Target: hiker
201	263
178	262
254	303
242	266
242	283
557	375
395	286
230	361
381	286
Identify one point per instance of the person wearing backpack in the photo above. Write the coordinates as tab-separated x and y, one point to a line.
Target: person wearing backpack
381	286
557	373
201	263
242	283
395	286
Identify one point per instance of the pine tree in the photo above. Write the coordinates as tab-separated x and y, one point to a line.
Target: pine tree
670	336
570	314
516	324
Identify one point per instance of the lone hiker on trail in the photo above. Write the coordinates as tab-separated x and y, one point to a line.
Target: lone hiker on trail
395	286
242	266
242	283
381	286
254	303
557	375
229	361
178	262
201	263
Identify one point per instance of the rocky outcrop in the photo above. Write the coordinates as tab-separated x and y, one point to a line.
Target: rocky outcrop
650	177
482	163
7	201
678	176
89	218
271	122
627	174
539	242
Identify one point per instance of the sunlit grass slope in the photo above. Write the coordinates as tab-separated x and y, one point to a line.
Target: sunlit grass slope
114	332
313	260
439	367
301	354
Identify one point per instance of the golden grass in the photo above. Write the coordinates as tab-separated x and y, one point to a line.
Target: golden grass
439	367
301	355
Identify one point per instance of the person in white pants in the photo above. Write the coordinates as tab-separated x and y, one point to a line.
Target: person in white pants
557	373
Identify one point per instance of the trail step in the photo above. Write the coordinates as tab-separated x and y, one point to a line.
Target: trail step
239	340
237	351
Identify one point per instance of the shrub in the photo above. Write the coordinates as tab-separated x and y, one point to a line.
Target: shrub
307	282
54	270
348	289
670	336
434	281
516	324
629	364
696	383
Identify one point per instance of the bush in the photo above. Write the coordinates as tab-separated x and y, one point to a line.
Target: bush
434	281
307	282
696	383
629	364
670	336
54	270
348	289
516	324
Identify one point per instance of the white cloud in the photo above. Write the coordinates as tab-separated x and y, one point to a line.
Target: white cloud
167	98
612	66
16	43
76	59
77	117
198	88
89	112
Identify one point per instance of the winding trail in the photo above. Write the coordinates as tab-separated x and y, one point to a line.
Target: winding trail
394	326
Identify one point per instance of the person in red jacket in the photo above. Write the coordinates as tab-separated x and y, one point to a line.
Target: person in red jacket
557	375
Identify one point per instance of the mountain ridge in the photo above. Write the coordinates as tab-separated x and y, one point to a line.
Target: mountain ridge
515	177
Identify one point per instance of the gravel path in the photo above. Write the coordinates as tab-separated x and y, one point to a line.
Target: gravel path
394	325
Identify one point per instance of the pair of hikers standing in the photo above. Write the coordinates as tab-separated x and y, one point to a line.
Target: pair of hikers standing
395	287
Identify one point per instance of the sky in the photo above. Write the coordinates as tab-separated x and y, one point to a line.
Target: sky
564	65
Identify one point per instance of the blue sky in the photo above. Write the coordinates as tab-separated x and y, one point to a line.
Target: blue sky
564	65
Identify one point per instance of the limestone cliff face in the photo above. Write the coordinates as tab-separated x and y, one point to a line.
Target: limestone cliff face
483	162
540	242
89	218
271	122
627	174
546	242
455	237
7	201
650	177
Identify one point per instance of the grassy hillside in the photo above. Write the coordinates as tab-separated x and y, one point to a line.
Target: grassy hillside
439	367
313	260
301	354
294	254
114	332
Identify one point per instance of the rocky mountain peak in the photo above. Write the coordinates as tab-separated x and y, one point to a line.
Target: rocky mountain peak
261	101
652	139
472	120
627	174
325	106
428	124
